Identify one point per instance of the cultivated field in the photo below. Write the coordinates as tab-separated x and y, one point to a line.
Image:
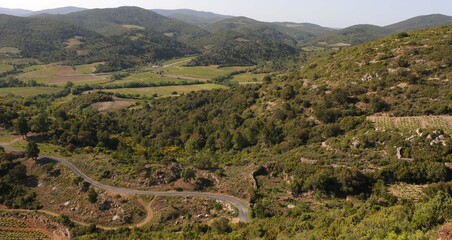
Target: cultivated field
150	77
166	90
412	123
60	74
29	91
16	225
201	73
248	78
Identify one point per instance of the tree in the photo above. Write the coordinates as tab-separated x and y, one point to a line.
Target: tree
92	196
40	123
238	141
32	150
188	174
432	213
288	93
21	127
221	226
267	79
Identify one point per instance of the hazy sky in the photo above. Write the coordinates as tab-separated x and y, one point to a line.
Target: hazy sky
331	13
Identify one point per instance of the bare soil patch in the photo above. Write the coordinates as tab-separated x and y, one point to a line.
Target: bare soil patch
112	105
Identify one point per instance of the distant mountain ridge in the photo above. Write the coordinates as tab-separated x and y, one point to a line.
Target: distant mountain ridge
57	11
420	22
199	18
27	13
220	39
15	12
306	27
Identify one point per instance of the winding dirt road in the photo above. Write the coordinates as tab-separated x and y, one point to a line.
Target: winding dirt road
242	206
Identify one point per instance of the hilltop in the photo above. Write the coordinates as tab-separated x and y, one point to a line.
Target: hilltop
354	35
116	21
15	12
199	18
56	11
420	22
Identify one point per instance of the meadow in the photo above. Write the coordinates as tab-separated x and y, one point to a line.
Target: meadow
247	78
5	68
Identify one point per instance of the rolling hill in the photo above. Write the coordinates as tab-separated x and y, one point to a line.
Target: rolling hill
244	41
198	18
355	35
56	11
15	12
40	38
420	22
50	40
363	33
117	21
27	13
307	27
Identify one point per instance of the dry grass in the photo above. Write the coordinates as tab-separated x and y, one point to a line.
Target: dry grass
104	107
407	191
73	42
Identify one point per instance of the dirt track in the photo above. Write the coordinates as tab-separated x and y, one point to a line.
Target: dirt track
241	205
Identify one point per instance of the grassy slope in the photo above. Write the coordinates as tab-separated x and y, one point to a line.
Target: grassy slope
29	91
5	68
167	90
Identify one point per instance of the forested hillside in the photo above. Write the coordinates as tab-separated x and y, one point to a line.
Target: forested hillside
243	41
51	40
116	21
40	38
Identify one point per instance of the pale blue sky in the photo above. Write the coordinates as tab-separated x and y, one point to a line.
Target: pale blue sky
331	13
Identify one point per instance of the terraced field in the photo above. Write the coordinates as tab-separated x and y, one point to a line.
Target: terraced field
386	123
19	234
24	226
